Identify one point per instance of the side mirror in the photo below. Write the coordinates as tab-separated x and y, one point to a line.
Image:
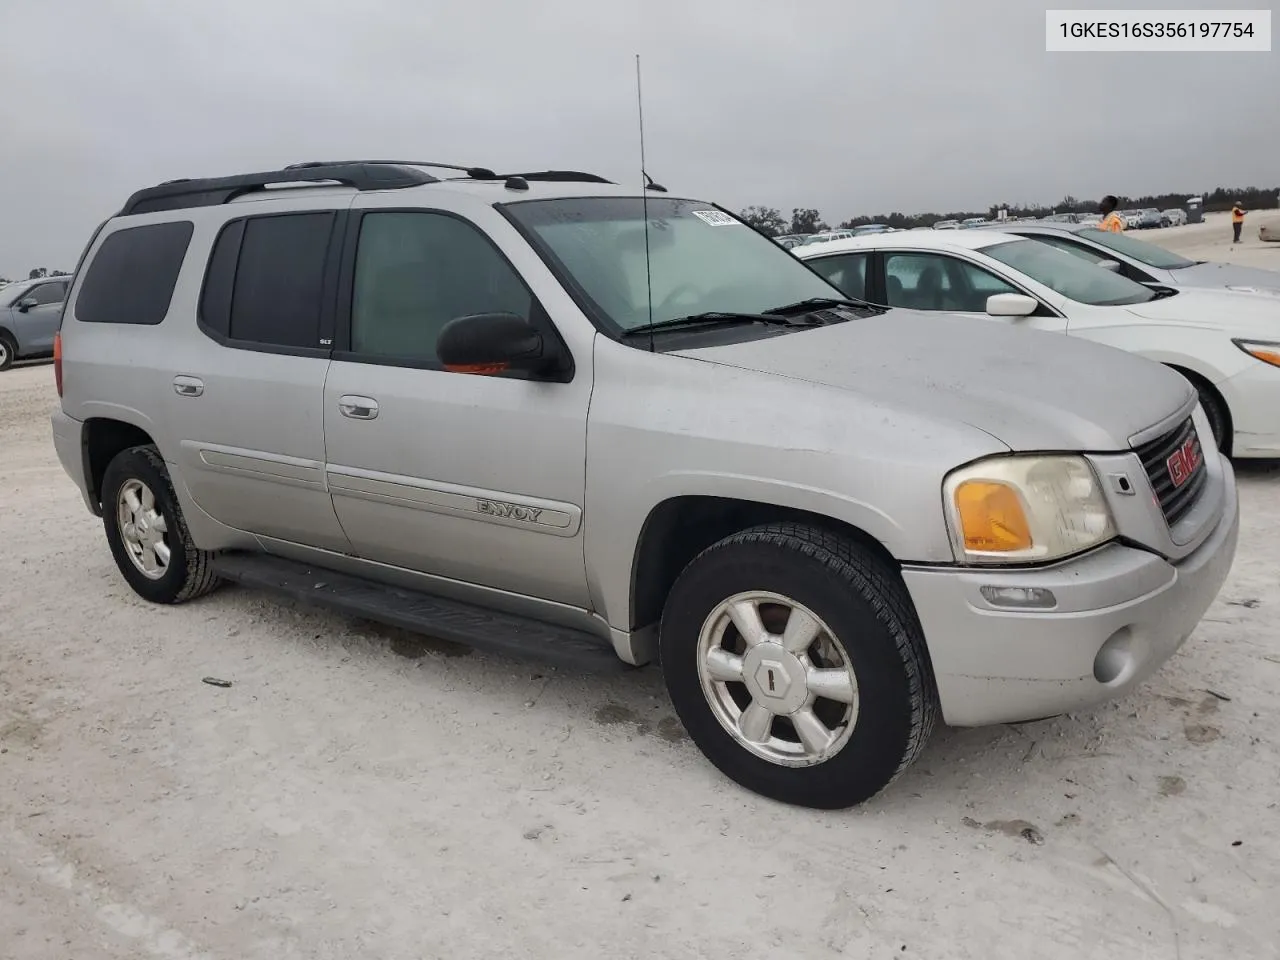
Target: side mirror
1011	305
490	343
1112	265
26	303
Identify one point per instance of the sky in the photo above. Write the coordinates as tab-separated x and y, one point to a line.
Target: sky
851	108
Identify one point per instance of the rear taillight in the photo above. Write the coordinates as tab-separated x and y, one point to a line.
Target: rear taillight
57	361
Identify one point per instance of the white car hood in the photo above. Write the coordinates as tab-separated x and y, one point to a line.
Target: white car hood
1030	389
1233	312
1227	275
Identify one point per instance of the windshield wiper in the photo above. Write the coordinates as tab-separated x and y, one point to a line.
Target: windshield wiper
822	303
713	317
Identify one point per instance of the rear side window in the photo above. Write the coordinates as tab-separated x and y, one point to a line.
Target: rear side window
848	272
276	296
131	279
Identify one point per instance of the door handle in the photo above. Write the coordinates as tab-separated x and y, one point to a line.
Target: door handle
188	386
358	408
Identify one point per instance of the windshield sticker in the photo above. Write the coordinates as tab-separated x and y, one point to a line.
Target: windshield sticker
714	217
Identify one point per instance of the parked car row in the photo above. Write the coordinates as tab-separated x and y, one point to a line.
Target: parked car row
790	240
841	499
1134	219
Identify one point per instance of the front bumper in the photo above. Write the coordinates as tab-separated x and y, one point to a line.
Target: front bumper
67	441
1121	612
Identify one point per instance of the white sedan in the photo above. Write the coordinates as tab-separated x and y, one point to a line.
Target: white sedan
1227	343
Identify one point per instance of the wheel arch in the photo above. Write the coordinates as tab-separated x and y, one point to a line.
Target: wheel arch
680	527
101	440
1203	383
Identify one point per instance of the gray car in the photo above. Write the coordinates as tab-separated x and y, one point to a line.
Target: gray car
29	313
1146	262
543	415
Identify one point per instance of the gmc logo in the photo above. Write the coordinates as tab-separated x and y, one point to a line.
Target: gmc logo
1183	462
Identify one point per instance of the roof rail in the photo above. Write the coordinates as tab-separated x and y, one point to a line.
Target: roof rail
475	173
556	176
202	192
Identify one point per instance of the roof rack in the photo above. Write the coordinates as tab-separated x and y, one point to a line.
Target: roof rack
474	173
362	175
554	176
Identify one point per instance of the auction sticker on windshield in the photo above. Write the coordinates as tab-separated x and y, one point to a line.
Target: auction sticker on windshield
714	217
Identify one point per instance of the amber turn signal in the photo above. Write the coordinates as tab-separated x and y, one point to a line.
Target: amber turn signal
991	517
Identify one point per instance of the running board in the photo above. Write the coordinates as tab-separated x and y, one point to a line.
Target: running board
518	637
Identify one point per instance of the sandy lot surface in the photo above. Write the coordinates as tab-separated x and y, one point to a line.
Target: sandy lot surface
363	793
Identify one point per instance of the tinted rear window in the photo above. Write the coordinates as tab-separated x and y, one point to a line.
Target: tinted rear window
220	279
132	276
279	280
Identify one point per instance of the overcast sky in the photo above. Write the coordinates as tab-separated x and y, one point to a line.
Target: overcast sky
852	108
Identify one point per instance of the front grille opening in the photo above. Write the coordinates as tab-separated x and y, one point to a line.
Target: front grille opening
1175	464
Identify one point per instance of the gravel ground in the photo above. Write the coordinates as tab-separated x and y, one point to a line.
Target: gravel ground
359	792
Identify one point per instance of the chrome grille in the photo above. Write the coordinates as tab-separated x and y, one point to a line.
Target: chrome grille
1176	499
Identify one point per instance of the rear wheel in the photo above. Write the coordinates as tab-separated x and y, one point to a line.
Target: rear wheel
147	533
8	351
795	661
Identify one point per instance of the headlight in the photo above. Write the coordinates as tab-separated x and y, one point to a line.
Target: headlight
1261	350
1025	509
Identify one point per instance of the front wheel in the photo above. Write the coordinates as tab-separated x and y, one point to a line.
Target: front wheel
8	351
1215	411
795	660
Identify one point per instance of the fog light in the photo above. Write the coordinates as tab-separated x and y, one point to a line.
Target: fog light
1118	659
1033	598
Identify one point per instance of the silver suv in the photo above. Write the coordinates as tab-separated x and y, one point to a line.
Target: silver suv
544	414
29	312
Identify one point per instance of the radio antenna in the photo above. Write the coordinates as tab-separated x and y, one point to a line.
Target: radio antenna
644	204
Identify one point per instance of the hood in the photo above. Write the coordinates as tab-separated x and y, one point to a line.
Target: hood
1228	275
1233	312
1031	390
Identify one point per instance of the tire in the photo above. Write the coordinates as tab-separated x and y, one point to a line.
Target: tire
1215	410
865	623
139	474
8	351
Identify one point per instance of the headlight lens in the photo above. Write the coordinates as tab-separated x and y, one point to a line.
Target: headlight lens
1261	350
1025	509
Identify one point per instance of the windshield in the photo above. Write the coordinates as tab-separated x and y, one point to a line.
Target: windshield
701	259
1073	277
1140	250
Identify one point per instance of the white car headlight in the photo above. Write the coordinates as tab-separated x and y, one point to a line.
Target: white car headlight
1025	509
1264	350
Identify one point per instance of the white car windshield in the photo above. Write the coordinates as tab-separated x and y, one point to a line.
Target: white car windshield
1071	276
1140	250
701	259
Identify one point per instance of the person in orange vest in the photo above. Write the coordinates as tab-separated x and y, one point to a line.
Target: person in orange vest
1111	220
1237	221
